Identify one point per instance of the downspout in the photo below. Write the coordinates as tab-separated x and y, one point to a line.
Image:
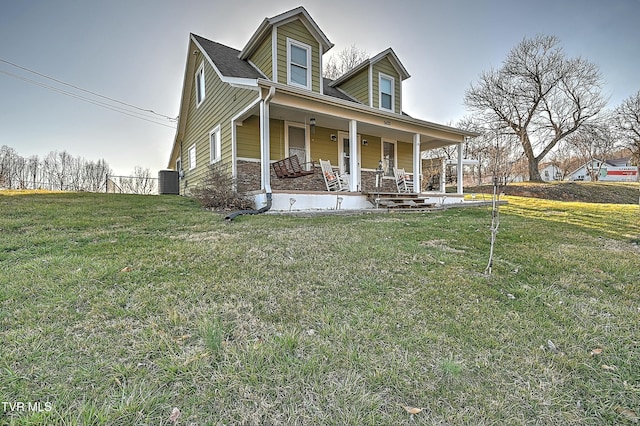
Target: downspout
266	208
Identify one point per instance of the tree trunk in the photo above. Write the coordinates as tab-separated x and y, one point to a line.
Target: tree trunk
534	172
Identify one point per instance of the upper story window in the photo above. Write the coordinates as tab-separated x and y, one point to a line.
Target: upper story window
298	64
200	92
387	100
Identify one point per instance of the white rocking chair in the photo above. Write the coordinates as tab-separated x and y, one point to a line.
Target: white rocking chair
335	182
403	181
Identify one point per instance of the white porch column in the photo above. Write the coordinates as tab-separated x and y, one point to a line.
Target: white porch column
354	166
417	164
265	165
459	169
443	176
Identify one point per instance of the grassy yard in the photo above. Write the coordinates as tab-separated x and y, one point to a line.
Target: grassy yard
114	309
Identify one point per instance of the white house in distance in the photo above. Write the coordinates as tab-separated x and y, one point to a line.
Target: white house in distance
550	172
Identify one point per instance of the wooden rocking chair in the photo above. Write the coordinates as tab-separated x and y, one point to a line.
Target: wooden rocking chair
403	181
334	182
290	168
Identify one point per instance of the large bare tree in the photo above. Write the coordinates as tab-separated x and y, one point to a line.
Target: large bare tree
627	119
345	60
540	94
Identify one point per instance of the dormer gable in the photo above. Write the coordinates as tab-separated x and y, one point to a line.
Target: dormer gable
376	82
288	49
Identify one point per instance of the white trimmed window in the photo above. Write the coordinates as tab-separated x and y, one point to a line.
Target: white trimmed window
215	145
192	157
298	64
200	89
387	98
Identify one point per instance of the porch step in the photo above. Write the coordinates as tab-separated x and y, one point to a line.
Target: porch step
397	201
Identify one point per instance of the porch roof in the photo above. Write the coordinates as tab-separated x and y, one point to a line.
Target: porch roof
293	104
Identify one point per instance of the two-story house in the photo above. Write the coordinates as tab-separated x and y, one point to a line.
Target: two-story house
248	108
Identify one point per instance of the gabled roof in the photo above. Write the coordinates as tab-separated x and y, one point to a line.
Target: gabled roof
267	25
226	59
389	53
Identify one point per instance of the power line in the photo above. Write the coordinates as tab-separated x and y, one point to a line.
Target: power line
150	111
85	99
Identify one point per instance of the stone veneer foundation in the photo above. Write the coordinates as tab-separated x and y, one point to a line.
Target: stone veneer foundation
249	180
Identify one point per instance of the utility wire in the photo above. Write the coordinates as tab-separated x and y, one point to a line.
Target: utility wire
85	99
86	91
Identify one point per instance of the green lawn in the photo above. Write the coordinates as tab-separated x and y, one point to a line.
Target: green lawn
114	309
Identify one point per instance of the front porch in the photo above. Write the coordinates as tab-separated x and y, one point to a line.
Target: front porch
363	143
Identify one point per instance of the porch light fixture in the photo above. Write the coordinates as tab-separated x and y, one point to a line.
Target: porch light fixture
334	138
312	123
365	142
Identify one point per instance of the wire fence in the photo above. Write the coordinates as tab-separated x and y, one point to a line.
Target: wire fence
144	185
111	184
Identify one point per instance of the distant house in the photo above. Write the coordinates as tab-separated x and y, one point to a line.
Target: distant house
614	170
550	172
252	107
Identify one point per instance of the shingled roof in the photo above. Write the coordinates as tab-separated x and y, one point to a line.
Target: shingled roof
226	59
229	64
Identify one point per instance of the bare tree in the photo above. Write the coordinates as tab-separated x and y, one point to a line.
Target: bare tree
57	166
142	182
8	158
96	175
540	94
627	119
33	170
347	59
562	157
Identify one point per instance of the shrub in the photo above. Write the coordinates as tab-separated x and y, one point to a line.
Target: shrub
217	190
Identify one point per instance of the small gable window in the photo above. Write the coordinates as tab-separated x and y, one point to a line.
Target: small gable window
215	145
386	92
200	92
298	64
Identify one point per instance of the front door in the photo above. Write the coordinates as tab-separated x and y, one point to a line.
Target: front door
344	152
297	143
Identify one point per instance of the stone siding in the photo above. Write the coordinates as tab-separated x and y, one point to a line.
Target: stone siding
249	180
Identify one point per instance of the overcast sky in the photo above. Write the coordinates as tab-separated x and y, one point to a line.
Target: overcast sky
134	51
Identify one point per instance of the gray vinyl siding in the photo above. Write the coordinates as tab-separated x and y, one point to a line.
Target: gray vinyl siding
262	58
297	31
222	102
358	86
405	156
248	139
371	154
